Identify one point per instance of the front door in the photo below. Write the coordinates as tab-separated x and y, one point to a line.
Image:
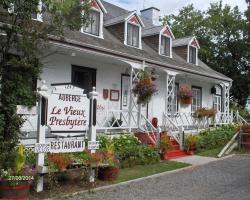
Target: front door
84	78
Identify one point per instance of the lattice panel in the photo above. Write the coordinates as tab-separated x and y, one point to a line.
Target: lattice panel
170	93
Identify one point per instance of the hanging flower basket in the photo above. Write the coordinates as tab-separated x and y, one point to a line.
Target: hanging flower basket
144	88
185	95
205	112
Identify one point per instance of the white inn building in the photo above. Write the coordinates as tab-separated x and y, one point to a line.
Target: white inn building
109	53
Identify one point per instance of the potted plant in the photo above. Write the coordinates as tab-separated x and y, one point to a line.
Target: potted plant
15	183
144	88
109	171
190	143
185	95
116	122
165	145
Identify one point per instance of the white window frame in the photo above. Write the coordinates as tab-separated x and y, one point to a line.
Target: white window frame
160	42
196	63
100	25
126	35
200	96
218	96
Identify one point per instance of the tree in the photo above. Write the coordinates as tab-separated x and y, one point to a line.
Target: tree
221	31
22	41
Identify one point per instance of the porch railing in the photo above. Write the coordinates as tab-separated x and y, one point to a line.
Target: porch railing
116	119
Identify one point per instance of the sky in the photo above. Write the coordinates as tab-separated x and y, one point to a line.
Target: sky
173	6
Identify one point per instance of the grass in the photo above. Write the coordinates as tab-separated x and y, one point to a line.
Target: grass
209	152
147	170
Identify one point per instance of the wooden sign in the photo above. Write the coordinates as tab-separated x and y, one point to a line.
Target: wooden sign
60	146
68	111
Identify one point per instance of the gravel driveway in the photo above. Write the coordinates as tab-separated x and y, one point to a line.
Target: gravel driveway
227	179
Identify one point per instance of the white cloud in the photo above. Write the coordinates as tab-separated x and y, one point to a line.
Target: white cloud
172	6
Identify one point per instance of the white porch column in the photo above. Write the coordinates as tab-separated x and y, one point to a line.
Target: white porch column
133	106
226	100
170	91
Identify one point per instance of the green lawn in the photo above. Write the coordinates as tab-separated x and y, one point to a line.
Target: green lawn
209	152
147	170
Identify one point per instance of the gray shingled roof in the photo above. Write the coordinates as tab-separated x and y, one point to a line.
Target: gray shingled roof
112	45
182	41
117	19
152	31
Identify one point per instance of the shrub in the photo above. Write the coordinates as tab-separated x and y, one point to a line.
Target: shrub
137	155
215	137
129	151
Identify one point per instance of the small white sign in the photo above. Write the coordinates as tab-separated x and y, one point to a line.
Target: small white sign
42	148
68	111
25	110
93	145
61	146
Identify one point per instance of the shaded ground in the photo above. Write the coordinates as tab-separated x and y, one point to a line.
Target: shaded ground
227	179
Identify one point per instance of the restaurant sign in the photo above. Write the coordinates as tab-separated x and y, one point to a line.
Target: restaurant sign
67	111
60	146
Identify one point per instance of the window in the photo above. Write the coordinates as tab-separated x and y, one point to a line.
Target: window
197	98
84	78
133	35
217	100
165	45
192	55
94	23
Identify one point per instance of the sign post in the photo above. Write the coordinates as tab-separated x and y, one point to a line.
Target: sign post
41	132
92	129
66	112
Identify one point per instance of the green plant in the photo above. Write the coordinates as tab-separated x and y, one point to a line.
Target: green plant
216	137
21	171
137	155
191	142
165	143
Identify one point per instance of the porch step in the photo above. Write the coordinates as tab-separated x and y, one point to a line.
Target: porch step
144	138
176	154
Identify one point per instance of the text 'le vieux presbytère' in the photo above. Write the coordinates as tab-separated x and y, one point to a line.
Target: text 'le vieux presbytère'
75	117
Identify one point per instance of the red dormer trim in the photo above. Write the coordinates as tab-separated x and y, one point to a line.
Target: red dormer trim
95	5
194	43
134	20
166	33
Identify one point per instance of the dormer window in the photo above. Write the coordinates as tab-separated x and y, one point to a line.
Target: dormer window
132	30
94	23
165	41
192	54
165	46
193	47
133	35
